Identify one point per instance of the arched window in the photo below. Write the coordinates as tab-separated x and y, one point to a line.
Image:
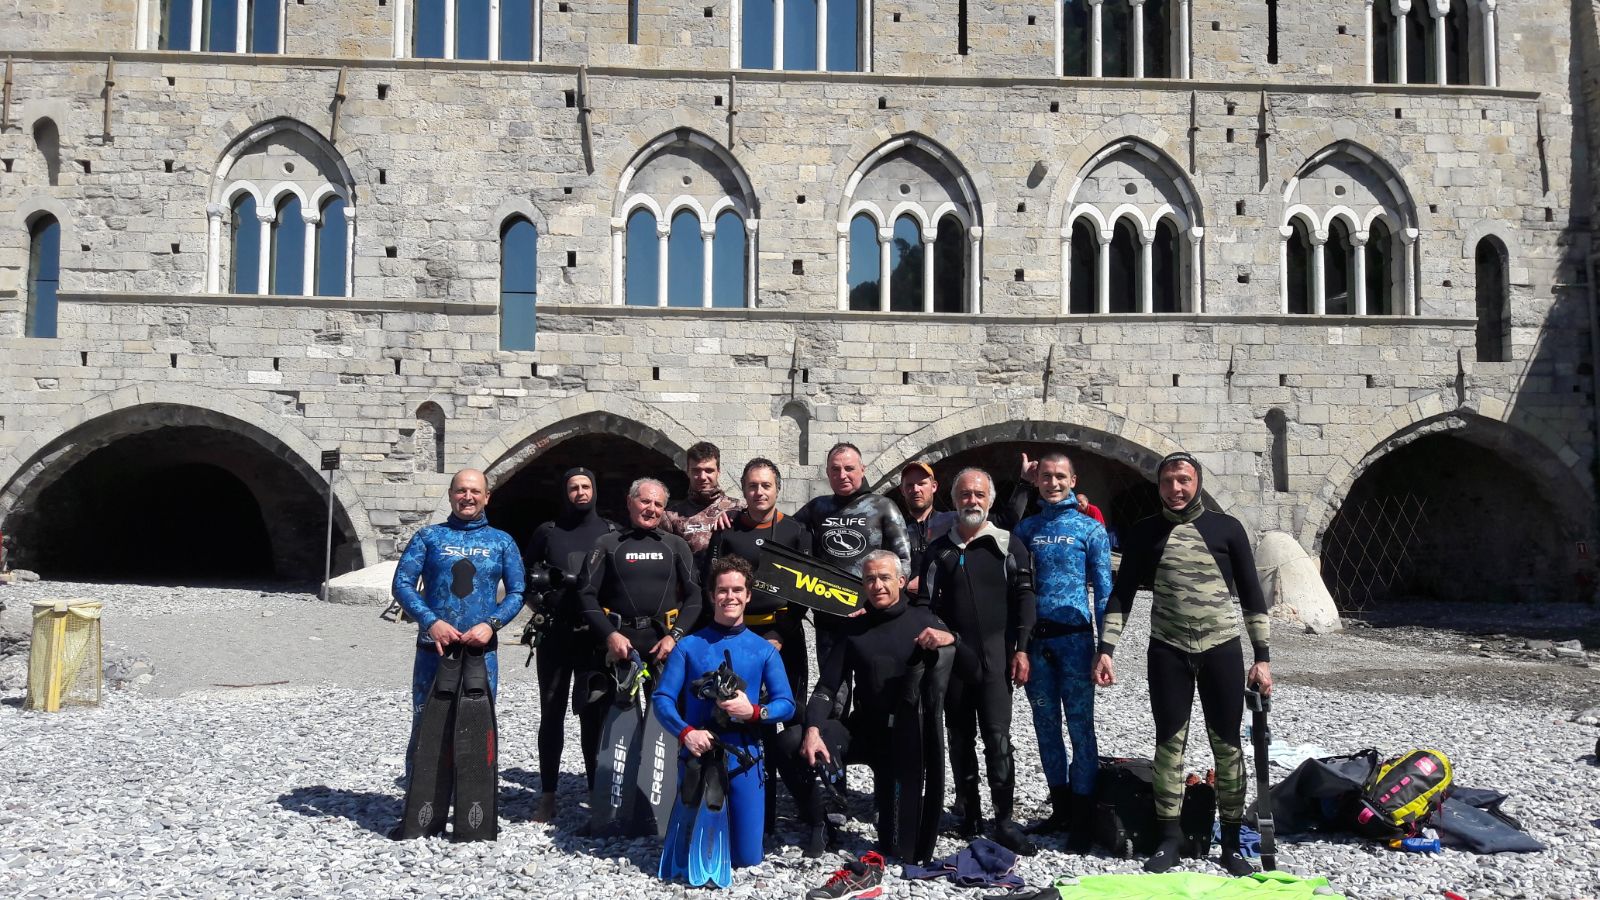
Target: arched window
1361	226
1299	277
729	251
221	26
1338	265
44	276
519	283
1278	448
468	29
865	264
1130	183
801	35
929	267
244	246
686	261
332	230
704	253
287	202
288	248
1077	39
1116	39
906	284
1124	284
643	260
950	267
1165	268
1084	279
1492	295
428	438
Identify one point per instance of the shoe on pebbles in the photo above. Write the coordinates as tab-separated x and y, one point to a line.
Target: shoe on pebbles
859	880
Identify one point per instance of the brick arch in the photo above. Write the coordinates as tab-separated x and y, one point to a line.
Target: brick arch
1539	448
1128	127
1104	433
41	459
588	413
943	135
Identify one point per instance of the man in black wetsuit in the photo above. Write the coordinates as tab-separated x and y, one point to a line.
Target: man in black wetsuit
565	653
918	489
892	635
979	579
640	591
849	524
1204	575
757	524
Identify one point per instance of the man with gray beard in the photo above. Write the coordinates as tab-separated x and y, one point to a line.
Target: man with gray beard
979	580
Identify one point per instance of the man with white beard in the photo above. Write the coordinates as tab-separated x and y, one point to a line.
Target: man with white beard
979	580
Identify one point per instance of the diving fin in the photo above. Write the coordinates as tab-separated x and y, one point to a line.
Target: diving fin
675	846
477	814
427	805
709	854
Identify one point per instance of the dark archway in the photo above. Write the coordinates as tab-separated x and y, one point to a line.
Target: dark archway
532	494
151	495
1453	515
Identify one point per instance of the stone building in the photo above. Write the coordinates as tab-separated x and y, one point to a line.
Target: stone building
1338	250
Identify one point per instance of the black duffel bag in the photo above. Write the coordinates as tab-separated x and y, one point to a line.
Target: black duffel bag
1125	809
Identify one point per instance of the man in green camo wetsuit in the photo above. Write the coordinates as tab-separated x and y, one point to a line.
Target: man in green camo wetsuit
1204	574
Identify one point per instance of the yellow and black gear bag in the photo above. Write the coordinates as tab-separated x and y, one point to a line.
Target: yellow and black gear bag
1402	793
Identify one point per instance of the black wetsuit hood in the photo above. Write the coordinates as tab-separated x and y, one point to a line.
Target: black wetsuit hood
1196	504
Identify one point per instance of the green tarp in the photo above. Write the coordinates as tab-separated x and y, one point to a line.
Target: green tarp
1194	885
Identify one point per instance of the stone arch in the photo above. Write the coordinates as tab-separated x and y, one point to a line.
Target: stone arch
1504	232
105	418
699	151
1128	127
849	161
1484	419
795	418
512	207
317	116
626	148
32	206
1381	153
1093	429
256	135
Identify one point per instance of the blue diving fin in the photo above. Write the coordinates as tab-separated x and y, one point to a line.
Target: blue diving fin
675	845
709	853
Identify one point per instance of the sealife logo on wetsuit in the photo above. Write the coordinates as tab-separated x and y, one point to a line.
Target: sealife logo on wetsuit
846	543
821	587
466	551
1043	540
646	556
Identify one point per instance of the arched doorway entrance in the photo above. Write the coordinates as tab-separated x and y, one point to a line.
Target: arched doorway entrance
527	481
173	494
1461	509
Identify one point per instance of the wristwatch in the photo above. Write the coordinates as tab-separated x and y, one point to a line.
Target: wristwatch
495	623
762	713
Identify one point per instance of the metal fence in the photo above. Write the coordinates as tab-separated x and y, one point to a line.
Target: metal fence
1371	546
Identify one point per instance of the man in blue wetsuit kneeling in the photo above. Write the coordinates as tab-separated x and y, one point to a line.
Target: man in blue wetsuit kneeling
708	727
460	563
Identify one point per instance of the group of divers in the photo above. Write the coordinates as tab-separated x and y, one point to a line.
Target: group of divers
1022	595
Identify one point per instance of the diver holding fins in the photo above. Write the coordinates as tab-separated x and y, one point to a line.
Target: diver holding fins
704	696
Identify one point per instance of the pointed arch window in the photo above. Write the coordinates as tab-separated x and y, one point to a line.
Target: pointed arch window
686	261
730	260
244	246
332	265
44	276
642	264
519	284
1349	234
288	247
865	268
1085	271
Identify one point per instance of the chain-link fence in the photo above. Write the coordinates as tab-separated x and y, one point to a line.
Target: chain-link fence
1371	547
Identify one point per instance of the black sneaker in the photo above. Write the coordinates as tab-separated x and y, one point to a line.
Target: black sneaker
858	880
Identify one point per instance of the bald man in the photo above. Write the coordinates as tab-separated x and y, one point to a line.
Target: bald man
460	564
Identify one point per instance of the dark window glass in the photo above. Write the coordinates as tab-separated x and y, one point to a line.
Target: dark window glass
1491	302
1383	31
800	35
950	267
1085	267
519	284
686	261
728	260
905	266
1380	270
516	29
1338	265
427	28
288	249
1157	39
472	29
641	259
844	36
1165	269
865	264
1116	39
263	26
221	33
332	230
244	247
44	276
1077	37
177	21
756	31
1300	272
1419	49
1125	267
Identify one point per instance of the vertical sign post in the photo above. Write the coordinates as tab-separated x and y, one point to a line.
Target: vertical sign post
330	464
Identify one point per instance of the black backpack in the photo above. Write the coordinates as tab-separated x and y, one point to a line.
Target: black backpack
1125	809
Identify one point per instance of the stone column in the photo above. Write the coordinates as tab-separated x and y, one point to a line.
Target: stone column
1066	270
842	270
267	217
750	228
402	18
308	273
1491	49
349	249
1094	37
1440	63
197	18
449	30
885	267
864	42
777	35
1102	261
494	26
1147	287
822	35
1408	238
708	249
241	25
1196	302
1401	9
1319	287
1372	74
663	232
929	240
1183	40
1138	37
214	214
1358	291
974	302
141	35
1287	233
618	231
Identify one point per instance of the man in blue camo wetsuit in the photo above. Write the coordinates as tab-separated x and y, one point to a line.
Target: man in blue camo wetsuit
460	563
1071	553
